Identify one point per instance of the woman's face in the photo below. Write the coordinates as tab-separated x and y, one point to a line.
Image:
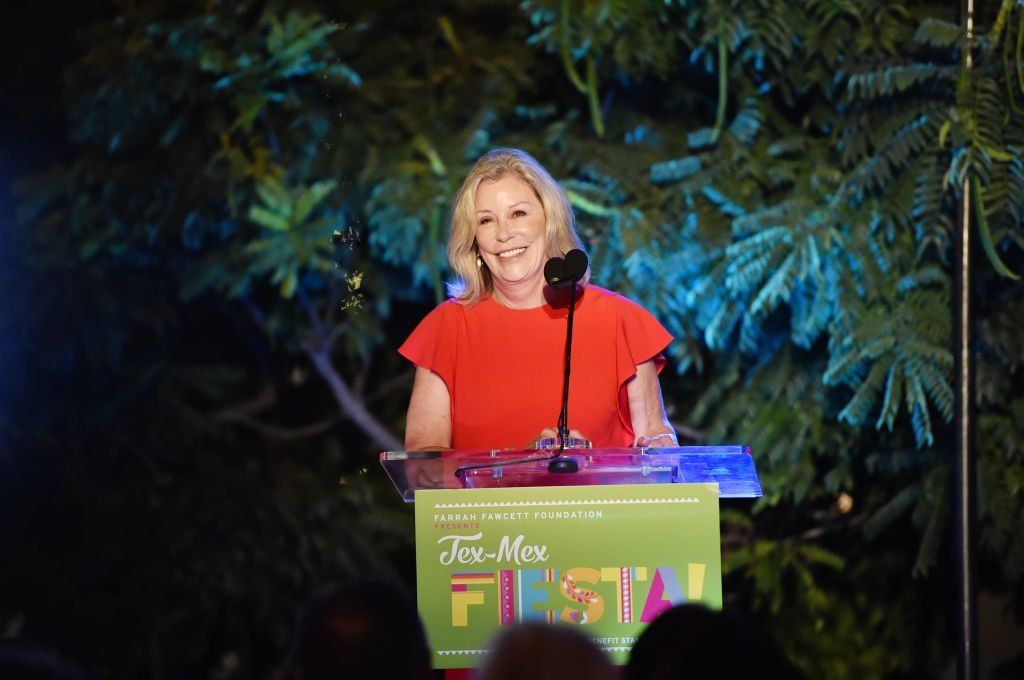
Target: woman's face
511	235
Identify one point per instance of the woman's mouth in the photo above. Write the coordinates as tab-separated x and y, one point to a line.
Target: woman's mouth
512	253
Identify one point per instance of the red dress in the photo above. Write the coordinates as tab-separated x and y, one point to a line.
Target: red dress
503	367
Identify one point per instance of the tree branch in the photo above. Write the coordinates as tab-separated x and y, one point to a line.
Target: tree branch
690	433
350	404
314	319
318	349
276	431
402	380
592	98
723	82
563	40
359	383
267	397
336	332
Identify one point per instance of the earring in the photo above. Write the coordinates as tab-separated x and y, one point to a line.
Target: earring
479	262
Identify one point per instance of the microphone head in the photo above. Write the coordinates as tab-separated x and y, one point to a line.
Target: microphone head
576	263
554	272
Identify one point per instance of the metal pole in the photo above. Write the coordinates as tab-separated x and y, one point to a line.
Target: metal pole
965	477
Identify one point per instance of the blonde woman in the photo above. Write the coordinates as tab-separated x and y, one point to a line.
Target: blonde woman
489	360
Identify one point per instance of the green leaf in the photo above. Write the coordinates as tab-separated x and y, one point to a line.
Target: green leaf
249	106
310	198
289	283
275	196
267	219
986	235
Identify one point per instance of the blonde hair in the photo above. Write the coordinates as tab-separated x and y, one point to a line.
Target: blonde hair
560	231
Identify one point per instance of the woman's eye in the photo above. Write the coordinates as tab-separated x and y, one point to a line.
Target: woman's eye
518	213
485	220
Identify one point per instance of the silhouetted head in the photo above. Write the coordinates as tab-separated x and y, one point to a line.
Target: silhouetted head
545	652
359	629
692	641
21	660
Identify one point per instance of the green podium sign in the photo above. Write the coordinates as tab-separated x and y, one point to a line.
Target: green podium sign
606	558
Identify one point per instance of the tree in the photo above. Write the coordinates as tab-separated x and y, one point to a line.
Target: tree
256	217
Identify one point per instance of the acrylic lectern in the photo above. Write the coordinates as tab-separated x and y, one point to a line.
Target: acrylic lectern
731	467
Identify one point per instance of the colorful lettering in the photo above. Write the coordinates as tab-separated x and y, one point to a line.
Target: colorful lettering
665	592
463	597
573	587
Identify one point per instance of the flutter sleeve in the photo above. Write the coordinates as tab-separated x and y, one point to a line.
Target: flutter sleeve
432	344
639	338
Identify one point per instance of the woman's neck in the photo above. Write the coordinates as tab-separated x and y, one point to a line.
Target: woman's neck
526	296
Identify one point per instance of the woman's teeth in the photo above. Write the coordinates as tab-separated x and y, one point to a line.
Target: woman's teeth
512	253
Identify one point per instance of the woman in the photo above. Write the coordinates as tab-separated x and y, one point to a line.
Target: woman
489	361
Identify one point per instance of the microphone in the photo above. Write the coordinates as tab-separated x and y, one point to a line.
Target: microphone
554	272
561	272
576	264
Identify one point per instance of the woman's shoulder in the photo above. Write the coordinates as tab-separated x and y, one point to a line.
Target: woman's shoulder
440	317
610	300
453	311
639	334
446	309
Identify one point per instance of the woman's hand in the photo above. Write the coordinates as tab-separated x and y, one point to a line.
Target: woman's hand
656	441
426	474
551	433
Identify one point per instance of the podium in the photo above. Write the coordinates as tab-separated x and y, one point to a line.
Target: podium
502	538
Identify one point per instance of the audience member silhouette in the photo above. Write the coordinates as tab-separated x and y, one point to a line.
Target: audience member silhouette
360	629
21	660
545	652
691	641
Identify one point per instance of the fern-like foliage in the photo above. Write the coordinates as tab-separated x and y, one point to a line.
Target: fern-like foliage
896	354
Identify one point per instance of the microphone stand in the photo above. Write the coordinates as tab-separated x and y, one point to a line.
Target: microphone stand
556	463
559	464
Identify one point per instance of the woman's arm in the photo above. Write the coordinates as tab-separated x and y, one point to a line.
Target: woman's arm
647	409
428	424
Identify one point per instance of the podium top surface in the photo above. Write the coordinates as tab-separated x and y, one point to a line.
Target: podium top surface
731	467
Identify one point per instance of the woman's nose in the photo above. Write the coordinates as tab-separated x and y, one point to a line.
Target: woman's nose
504	232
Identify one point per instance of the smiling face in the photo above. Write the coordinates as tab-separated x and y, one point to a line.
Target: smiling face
511	239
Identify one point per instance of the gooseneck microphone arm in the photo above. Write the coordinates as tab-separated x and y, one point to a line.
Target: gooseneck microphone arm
573	269
563	416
